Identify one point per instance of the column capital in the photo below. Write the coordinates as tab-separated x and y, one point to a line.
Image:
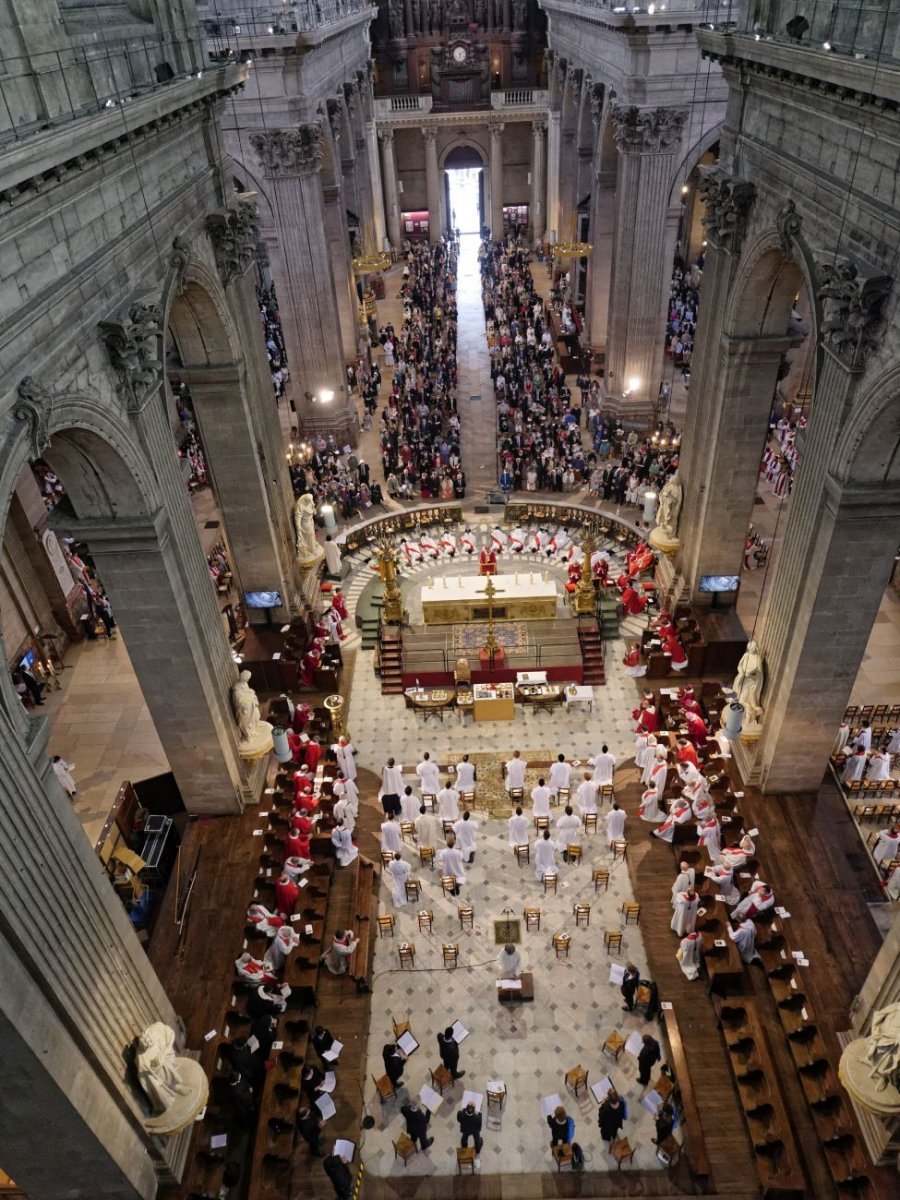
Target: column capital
286	153
852	323
496	129
386	136
335	117
34	406
728	202
232	234
133	349
644	130
430	136
538	126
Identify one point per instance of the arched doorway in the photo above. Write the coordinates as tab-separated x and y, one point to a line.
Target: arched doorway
464	189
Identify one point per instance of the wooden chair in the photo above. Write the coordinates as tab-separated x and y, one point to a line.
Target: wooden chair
466	916
496	1096
465	1157
550	884
407	952
612	940
632	911
563	795
576	1078
614	1045
598	877
622	1151
441	1079
413	890
426	856
386	858
620	850
516	795
607	795
384	1088
561	943
429	800
541	823
532	918
589	820
386	925
523	854
448	885
426	920
582	914
467	800
408	831
562	1155
400	1027
447	827
405	1148
574	853
450	952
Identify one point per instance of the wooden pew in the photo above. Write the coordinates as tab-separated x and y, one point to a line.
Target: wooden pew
691	1128
365	909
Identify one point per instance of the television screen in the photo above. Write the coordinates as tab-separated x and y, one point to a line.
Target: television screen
27	659
718	583
262	599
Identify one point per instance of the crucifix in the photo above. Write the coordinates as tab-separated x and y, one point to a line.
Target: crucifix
490	591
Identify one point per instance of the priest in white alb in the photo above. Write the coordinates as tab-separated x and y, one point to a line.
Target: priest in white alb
887	846
450	862
604	765
586	795
568	832
684	881
758	899
560	774
544	856
466	829
540	800
344	850
343	752
399	872
448	802
518	826
391	838
722	876
744	937
465	775
428	774
688	955
509	963
515	772
684	919
615	823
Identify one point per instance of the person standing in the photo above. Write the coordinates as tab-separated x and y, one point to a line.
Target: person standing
394	1062
428	774
685	916
391	787
470	1127
448	1048
399	872
343	752
685	879
391	839
604	765
649	1055
338	1171
63	772
417	1119
515	771
629	985
611	1115
465	830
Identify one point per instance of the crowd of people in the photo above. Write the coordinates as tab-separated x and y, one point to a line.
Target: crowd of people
271	324
681	324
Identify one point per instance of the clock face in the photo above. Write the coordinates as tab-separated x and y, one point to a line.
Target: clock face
459	54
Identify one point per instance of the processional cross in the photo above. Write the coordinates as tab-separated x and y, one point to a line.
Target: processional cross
490	591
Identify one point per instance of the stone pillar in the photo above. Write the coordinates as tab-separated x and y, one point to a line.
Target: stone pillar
554	119
647	142
433	184
496	131
374	164
601	232
292	160
538	181
342	268
70	1007
389	181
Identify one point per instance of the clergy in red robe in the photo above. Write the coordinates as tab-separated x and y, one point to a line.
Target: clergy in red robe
687	753
646	717
339	604
286	895
634	603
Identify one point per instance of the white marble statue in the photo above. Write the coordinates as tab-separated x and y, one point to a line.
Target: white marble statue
748	683
177	1088
256	734
883	1047
669	510
308	549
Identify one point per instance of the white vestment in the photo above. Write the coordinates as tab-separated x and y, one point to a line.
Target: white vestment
518	830
689	956
853	768
744	937
887	847
332	559
450	862
391	838
757	900
399	872
345	760
409	806
343	846
448	804
568	832
604	768
61	770
430	776
515	773
347	790
392	780
428	830
683	881
465	776
723	877
679	814
544	858
879	767
465	836
344	813
540	802
684	919
586	796
560	774
710	837
615	824
509	966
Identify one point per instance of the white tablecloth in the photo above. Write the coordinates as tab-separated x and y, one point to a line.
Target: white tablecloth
526	586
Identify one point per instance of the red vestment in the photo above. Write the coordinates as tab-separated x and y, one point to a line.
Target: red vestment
286	894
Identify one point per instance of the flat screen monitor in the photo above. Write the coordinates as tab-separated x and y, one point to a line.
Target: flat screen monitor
719	583
27	659
263	599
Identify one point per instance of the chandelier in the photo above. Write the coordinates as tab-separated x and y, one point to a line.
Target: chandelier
365	264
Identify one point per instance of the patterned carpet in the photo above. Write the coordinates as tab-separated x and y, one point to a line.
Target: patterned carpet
490	794
511	635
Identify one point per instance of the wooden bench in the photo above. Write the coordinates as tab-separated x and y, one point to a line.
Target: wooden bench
365	909
691	1128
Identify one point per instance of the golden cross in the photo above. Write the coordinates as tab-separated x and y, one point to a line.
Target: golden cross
490	591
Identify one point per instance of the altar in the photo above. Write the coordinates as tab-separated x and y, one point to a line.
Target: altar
523	597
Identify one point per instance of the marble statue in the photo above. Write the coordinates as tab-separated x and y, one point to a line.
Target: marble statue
748	683
256	734
177	1088
870	1067
308	549
395	18
669	510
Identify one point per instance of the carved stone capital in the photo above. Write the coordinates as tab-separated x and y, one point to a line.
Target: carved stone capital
430	136
538	127
644	130
289	152
351	97
335	117
497	129
788	222
34	406
133	349
574	80
233	237
386	137
728	201
851	302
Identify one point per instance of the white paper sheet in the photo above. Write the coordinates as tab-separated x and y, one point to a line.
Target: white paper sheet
600	1088
460	1033
334	1053
325	1105
616	973
431	1099
653	1102
345	1149
408	1043
509	985
635	1043
329	1082
219	1141
496	1085
549	1103
475	1098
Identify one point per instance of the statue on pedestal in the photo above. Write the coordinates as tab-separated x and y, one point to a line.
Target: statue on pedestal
396	18
256	734
748	684
309	552
870	1067
177	1088
665	536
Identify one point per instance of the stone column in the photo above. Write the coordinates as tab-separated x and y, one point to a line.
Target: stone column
374	166
433	184
538	181
342	269
71	1006
647	141
292	160
554	119
496	131
391	194
601	232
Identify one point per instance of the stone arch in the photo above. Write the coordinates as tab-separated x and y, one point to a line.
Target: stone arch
868	452
197	316
691	158
462	142
764	287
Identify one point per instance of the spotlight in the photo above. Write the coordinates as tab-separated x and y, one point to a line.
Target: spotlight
326	395
684	189
797	26
633	383
826	46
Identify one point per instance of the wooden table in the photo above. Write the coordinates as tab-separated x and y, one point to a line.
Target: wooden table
514	995
580	695
494	705
540	695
